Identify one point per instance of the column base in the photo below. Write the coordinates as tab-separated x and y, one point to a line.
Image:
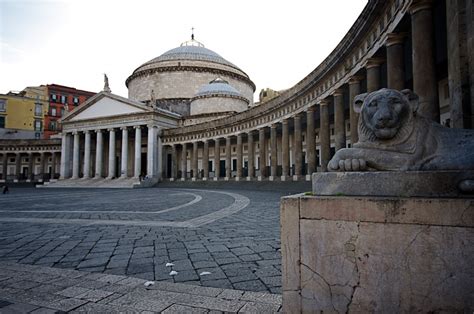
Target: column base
237	179
204	178
109	178
193	179
182	179
15	180
259	178
296	177
28	180
215	179
226	179
308	177
271	178
284	178
250	178
171	179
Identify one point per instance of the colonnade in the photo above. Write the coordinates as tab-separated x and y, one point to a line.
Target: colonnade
83	154
324	128
24	165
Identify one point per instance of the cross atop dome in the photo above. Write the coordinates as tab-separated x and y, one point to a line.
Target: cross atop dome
192	42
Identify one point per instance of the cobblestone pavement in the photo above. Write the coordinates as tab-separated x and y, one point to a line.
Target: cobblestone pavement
39	289
213	238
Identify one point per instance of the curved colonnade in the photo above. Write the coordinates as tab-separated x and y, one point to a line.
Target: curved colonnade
392	44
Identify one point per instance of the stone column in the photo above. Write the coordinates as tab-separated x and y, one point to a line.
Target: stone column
354	90
65	156
262	154
31	167
75	157
217	159
18	167
460	45
151	151
228	158
124	161
274	152
99	154
137	169
324	136
373	74
87	155
174	162
285	151
310	143
250	156
239	157
111	173
194	161
395	64
205	160
424	72
42	167
184	161
5	166
54	162
298	152
339	121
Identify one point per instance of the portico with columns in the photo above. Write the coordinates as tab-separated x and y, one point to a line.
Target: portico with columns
113	141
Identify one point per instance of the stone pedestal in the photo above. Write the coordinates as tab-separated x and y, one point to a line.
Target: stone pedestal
374	254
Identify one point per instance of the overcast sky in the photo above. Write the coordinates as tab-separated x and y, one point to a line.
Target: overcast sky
74	42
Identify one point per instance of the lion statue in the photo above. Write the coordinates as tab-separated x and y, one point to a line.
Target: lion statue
393	137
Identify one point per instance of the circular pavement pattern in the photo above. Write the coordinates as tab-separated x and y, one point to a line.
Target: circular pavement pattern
217	238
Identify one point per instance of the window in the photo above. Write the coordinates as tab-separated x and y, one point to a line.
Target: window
37	125
3	105
52	126
76	100
62	112
63	99
2	122
37	135
38	109
53	111
53	97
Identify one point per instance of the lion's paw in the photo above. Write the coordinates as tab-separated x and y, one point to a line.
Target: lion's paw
348	165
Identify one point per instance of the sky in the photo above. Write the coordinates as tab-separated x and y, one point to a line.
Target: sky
73	42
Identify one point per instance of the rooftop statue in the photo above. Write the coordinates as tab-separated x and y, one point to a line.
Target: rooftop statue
393	137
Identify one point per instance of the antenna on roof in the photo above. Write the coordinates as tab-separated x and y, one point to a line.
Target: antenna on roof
192	33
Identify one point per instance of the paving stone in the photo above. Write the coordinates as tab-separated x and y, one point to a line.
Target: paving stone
250	258
18	308
217	248
94	295
204	264
72	292
242	251
219	283
67	304
211	303
262	297
251	285
253	307
103	308
229	294
177	308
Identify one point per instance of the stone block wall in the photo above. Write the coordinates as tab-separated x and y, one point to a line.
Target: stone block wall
363	254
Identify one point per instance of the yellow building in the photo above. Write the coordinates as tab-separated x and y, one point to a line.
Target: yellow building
22	117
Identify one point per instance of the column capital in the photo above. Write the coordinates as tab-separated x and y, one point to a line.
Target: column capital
297	116
284	121
395	39
324	102
152	126
355	79
137	127
273	126
419	5
86	132
75	133
374	62
98	131
111	129
338	92
123	128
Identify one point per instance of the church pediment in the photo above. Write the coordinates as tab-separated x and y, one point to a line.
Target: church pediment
105	105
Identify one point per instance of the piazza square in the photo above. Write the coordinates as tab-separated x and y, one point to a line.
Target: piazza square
349	191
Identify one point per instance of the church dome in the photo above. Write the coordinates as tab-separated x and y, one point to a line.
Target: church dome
179	74
218	87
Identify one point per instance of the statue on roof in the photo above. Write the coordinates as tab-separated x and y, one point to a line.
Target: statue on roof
106	84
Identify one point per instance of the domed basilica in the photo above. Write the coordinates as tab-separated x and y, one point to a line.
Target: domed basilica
192	80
